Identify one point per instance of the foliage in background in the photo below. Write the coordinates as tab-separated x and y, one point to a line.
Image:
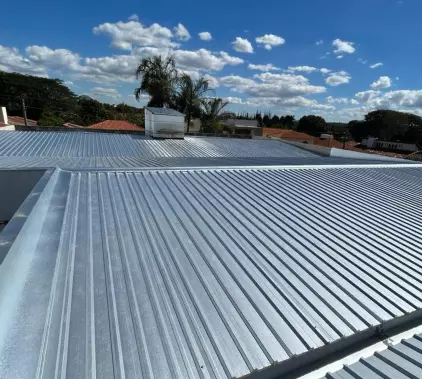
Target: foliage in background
313	125
190	95
158	78
49	100
212	113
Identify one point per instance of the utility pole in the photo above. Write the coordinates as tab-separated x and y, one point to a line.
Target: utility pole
24	111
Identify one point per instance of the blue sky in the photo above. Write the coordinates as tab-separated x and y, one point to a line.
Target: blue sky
339	59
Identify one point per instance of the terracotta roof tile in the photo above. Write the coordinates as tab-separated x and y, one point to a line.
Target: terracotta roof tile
116	125
285	133
17	120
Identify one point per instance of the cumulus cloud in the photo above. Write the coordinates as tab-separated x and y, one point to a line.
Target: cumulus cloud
54	59
392	99
263	67
233	100
126	34
181	33
213	81
271	85
320	42
108	92
382	82
337	78
338	100
354	102
204	59
367	96
324	71
133	17
69	83
343	47
289	103
242	45
270	40
340	56
376	65
11	60
307	69
205	36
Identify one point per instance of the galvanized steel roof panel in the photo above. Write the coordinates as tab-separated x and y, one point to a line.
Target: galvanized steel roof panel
207	273
403	360
164	111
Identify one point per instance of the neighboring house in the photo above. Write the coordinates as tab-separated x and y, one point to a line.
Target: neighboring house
375	143
20	121
116	125
242	127
287	134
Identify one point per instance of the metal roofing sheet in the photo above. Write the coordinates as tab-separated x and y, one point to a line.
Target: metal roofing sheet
80	144
403	360
164	111
207	273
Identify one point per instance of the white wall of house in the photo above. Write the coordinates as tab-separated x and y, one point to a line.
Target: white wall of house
399	146
8	127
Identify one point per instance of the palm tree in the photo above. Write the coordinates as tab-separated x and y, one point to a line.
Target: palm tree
158	79
212	113
190	95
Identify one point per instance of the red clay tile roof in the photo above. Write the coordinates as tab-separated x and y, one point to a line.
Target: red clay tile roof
70	125
16	120
285	133
2	124
116	125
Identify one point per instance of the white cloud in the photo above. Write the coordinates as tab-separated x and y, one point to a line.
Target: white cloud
377	65
320	42
270	40
133	17
382	82
181	33
338	100
363	61
354	102
205	36
291	103
307	69
11	60
126	34
242	45
325	71
213	81
343	47
233	100
263	67
270	85
340	56
54	59
337	78
204	59
367	96
108	92
68	83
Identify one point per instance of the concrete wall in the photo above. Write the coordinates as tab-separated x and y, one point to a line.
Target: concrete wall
15	186
8	127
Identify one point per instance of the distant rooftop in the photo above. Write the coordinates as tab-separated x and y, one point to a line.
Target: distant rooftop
116	125
164	111
16	120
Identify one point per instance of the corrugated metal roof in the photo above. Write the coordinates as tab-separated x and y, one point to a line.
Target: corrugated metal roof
78	144
164	111
208	273
400	361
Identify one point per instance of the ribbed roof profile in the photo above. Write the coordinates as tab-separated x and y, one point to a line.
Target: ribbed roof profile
401	361
81	145
208	273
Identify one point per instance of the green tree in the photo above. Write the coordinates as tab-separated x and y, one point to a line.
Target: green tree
190	95
313	125
289	121
266	121
275	120
212	113
387	124
158	78
49	118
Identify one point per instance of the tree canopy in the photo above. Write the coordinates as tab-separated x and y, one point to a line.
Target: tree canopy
313	125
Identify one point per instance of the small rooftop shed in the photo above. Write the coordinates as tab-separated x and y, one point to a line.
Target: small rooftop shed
164	123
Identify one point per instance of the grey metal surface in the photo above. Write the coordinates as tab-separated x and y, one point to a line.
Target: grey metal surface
208	273
400	361
164	111
134	162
